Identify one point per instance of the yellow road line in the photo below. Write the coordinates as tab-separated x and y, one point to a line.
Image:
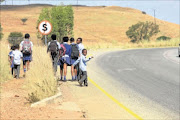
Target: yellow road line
115	100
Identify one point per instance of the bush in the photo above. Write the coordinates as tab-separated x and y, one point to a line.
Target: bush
163	38
24	20
143	12
1	34
15	38
142	31
62	20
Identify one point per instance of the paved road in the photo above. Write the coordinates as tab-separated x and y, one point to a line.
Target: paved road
153	73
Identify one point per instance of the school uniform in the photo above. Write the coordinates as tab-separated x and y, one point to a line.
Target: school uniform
80	48
82	60
17	55
26	57
67	57
55	56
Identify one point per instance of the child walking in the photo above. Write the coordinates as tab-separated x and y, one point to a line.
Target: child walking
82	65
10	59
16	57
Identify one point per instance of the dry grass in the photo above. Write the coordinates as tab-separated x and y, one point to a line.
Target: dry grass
5	73
40	81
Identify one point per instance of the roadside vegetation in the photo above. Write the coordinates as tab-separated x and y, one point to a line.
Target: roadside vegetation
15	38
40	81
5	73
1	34
62	20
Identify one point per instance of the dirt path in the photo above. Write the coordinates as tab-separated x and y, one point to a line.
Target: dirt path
15	106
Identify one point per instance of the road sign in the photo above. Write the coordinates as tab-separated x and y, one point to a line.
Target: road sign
45	27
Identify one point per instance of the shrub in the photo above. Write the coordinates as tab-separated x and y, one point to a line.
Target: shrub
62	20
163	38
1	34
15	38
142	31
24	20
143	12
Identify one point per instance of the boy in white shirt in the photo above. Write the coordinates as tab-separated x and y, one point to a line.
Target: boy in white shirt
16	57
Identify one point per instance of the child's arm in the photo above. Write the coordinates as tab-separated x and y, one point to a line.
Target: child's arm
88	59
77	61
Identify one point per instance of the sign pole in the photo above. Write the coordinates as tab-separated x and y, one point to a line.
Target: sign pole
46	40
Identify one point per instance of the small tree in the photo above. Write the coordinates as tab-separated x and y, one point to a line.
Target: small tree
24	20
143	12
142	31
15	38
62	20
1	34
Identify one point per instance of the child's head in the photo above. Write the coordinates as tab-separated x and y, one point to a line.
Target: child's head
53	37
84	52
17	47
72	40
65	39
27	36
79	40
13	47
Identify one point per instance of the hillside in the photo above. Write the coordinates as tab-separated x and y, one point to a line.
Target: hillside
93	24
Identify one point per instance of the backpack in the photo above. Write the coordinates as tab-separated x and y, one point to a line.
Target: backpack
62	50
26	47
74	51
53	47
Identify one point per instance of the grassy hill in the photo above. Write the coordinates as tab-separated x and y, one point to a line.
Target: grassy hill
96	25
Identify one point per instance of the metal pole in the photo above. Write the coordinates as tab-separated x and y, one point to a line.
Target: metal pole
46	40
154	16
77	4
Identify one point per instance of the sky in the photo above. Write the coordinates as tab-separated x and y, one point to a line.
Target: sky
167	10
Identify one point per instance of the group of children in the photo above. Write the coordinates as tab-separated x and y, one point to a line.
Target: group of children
73	54
18	53
63	54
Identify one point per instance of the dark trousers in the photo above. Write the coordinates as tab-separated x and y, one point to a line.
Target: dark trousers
16	70
55	58
83	77
79	72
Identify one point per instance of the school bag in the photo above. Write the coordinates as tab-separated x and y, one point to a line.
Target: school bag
26	47
62	50
74	51
53	47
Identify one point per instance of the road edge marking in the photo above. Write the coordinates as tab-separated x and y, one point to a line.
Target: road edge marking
115	100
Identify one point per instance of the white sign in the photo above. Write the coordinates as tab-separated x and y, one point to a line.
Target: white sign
45	27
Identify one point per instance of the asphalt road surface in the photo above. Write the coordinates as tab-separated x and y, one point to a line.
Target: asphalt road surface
152	73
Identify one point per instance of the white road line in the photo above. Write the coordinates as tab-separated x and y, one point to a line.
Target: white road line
168	57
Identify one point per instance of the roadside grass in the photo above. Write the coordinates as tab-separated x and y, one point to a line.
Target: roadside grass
128	45
40	81
5	73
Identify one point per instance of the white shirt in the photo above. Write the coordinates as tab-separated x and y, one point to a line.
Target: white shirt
82	60
80	48
21	44
17	55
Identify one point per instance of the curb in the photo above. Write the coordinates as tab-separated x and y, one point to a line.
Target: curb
48	100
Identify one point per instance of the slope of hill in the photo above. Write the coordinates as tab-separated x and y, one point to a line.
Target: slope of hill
95	25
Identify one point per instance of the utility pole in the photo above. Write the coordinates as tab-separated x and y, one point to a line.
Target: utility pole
154	16
12	2
77	3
